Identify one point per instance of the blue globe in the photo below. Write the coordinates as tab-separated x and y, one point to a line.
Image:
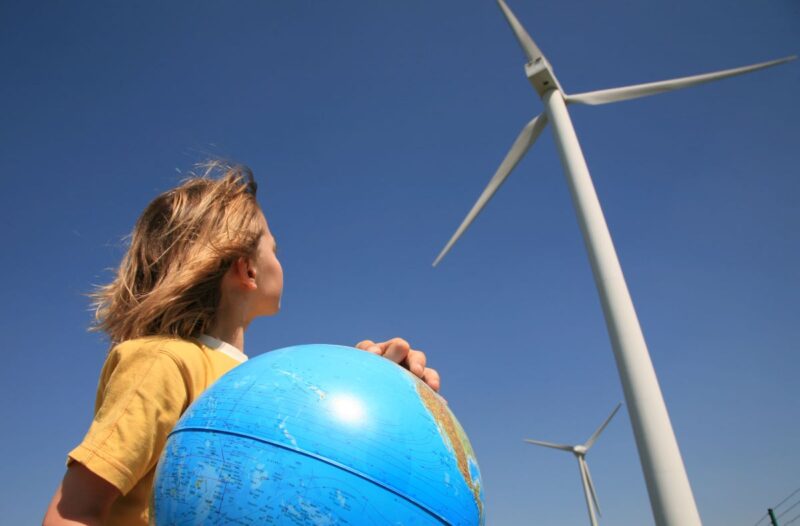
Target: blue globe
318	434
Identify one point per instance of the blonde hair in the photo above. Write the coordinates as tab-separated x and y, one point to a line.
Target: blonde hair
168	282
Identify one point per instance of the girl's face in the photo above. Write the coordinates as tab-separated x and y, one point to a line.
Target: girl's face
269	275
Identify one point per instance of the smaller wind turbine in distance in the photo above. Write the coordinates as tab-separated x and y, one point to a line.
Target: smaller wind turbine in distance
580	451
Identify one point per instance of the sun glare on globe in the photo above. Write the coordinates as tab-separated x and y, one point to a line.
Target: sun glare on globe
347	408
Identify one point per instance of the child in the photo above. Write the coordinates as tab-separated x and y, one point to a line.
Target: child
200	267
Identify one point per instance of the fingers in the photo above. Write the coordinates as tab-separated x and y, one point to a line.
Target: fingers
370	346
399	351
396	349
415	362
431	377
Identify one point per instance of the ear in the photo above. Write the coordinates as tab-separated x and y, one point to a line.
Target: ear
244	273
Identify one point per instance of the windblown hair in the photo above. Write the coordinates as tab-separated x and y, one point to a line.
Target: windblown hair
168	282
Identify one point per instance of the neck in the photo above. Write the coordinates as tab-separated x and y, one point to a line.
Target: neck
230	325
231	335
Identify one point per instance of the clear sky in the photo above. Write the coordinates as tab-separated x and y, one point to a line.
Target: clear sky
372	127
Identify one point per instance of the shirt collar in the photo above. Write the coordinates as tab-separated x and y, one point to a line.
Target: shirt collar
223	347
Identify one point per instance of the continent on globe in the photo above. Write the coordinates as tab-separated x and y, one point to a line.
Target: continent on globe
318	434
460	446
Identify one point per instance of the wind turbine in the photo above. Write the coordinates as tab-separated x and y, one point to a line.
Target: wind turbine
580	453
671	497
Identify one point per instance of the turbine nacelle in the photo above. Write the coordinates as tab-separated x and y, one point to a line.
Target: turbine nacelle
580	450
537	69
540	75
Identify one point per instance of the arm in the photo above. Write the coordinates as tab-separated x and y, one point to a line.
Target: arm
142	394
81	498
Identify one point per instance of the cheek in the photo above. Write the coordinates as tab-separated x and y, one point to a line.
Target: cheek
276	270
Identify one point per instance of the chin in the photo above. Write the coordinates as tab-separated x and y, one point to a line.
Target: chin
275	309
266	310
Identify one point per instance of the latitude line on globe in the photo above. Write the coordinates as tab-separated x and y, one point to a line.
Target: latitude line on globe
319	458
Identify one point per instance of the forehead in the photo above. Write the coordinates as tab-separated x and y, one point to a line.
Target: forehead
262	220
265	225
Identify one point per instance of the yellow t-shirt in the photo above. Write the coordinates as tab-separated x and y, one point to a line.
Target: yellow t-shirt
145	386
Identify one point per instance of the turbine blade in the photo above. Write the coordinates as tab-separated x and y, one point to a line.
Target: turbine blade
652	88
521	145
600	429
530	48
591	485
549	444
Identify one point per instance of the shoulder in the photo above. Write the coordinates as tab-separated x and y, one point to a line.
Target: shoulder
196	363
155	347
152	354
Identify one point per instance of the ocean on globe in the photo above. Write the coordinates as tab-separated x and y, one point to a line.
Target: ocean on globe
322	435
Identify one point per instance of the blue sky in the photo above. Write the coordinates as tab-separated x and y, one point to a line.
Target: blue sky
372	127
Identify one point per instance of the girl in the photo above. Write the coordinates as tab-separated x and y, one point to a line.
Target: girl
201	266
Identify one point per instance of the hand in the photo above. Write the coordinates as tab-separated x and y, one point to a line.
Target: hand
399	351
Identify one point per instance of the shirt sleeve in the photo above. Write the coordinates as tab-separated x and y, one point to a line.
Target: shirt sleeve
141	396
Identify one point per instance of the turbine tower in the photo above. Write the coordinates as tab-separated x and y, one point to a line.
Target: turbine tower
580	453
671	497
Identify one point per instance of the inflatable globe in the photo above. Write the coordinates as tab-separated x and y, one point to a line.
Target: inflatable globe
318	434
